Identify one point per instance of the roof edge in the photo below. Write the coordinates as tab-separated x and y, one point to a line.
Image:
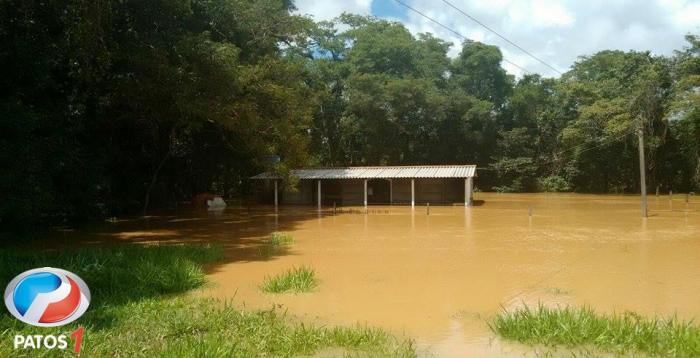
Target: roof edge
381	172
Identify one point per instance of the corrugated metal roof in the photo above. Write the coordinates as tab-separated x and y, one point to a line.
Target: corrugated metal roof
418	171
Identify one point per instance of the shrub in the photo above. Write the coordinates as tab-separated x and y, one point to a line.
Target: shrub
553	183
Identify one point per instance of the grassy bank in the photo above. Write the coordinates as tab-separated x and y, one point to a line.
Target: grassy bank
121	273
137	310
583	328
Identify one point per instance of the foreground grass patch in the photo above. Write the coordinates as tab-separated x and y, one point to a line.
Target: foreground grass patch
582	327
196	327
298	279
135	313
121	273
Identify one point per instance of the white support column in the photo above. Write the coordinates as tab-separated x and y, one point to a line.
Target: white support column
413	192
319	195
391	192
468	188
276	202
365	197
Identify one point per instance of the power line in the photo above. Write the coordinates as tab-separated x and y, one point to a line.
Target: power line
501	36
451	30
625	134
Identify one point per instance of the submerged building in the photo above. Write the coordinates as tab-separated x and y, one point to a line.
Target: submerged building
388	185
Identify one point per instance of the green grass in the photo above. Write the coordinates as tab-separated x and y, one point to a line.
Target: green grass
121	273
276	243
196	327
614	333
281	239
138	310
297	280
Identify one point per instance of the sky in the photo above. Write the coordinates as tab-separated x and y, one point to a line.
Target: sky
556	31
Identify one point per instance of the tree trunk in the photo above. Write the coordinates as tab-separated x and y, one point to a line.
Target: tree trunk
154	178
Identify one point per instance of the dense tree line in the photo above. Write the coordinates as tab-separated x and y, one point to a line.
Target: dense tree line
114	106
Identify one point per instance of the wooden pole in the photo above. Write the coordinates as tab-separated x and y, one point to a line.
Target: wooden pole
642	172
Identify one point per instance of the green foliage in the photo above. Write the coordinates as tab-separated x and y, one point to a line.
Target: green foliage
113	107
188	326
117	105
276	243
281	239
121	273
296	280
517	172
478	70
553	183
626	333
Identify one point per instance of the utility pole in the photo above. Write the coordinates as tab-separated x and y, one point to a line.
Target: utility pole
642	169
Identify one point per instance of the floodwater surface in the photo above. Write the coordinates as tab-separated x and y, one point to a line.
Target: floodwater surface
439	278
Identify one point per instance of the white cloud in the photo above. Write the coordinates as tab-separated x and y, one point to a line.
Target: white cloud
329	9
550	14
557	31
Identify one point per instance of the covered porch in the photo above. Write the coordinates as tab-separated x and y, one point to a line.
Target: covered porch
441	185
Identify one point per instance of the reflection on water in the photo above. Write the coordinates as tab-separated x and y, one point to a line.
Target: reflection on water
438	277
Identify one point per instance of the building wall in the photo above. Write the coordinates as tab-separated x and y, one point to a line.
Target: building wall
351	192
402	191
435	191
440	191
303	196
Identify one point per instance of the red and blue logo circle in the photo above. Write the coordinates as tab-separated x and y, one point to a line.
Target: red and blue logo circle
47	297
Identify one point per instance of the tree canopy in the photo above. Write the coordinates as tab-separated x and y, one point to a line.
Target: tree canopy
112	107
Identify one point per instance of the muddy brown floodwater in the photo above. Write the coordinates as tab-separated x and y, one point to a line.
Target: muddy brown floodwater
438	278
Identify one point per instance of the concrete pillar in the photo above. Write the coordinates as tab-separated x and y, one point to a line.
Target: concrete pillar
413	192
276	202
319	195
466	191
468	188
365	197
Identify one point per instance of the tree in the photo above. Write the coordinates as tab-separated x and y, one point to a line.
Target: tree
478	71
684	116
111	101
